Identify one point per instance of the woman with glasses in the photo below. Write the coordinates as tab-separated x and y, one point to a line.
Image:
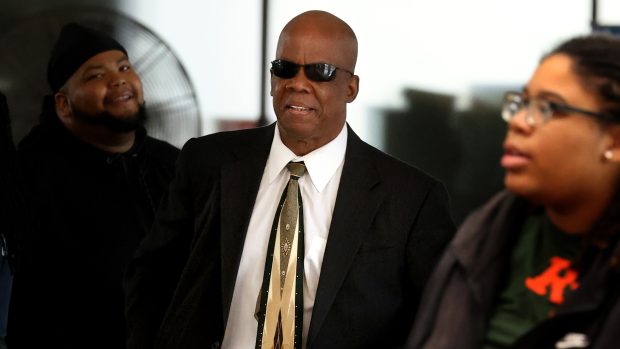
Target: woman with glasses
538	265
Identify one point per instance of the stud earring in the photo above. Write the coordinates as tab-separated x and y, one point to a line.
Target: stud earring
608	154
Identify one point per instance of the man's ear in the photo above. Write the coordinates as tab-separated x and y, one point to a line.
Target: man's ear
63	108
354	87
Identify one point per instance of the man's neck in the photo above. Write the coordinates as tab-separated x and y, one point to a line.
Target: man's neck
106	140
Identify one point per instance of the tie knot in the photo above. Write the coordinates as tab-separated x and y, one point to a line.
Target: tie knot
297	169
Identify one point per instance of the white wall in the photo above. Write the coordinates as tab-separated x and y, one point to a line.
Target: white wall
446	46
219	43
609	12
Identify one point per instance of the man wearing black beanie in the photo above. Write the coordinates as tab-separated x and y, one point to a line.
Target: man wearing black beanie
93	182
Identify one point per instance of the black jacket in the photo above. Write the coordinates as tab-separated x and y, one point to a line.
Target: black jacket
11	197
389	225
460	295
88	210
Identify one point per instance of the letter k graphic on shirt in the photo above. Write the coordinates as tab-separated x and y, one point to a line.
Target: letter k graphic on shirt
554	280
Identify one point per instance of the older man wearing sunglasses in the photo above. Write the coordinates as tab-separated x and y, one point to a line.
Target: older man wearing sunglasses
295	235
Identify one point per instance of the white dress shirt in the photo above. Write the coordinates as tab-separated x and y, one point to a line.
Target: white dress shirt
319	187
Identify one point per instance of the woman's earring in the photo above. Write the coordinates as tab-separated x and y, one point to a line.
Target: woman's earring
608	154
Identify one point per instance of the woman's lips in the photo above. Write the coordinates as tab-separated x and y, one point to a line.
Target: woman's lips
514	159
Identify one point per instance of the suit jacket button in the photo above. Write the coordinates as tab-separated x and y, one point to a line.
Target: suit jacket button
215	345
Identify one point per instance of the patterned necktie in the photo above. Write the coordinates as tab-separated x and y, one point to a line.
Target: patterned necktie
280	303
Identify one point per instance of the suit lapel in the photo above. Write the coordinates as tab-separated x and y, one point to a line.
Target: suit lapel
356	204
240	181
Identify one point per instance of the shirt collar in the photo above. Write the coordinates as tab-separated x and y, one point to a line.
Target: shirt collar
321	163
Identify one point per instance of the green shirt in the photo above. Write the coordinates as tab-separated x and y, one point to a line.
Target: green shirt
538	280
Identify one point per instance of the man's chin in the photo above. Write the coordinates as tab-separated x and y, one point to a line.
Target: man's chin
124	111
117	122
123	125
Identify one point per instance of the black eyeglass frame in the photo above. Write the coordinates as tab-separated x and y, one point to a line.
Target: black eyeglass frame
510	96
318	72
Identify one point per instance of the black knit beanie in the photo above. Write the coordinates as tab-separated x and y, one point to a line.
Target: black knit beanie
76	44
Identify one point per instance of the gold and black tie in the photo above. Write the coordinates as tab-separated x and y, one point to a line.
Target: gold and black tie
280	303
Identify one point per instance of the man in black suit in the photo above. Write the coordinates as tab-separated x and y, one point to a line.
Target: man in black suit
373	226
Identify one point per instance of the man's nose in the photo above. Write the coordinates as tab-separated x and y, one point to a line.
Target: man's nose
299	82
118	79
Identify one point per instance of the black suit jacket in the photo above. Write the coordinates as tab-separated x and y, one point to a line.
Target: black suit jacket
390	224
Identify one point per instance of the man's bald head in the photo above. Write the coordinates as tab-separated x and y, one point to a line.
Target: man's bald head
312	112
322	24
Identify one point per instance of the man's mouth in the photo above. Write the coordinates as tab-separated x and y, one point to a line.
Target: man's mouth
121	97
299	108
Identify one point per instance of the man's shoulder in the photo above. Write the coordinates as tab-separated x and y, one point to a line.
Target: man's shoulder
38	136
160	149
42	144
218	149
225	141
393	169
238	135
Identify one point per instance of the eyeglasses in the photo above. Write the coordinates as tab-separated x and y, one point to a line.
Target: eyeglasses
540	111
319	72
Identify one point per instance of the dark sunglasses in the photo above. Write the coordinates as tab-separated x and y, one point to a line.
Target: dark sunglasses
319	72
